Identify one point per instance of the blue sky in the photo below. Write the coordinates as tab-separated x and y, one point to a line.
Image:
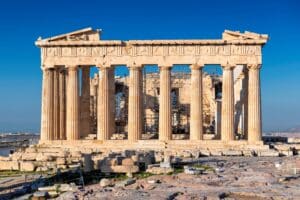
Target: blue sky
22	22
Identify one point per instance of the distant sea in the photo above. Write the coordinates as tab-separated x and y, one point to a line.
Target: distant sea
4	151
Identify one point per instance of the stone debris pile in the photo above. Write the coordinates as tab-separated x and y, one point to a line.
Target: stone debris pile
43	158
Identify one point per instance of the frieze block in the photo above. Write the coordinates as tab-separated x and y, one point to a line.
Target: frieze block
213	50
154	50
84	51
245	50
66	51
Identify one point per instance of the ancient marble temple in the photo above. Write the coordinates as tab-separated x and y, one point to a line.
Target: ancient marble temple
66	92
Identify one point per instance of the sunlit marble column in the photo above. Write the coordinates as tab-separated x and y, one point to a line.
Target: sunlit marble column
245	106
135	104
56	106
254	104
47	104
105	113
196	109
85	102
165	120
227	123
73	104
62	104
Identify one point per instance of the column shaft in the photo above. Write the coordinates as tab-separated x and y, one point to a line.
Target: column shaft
218	119
245	106
227	123
73	104
85	102
196	122
254	105
105	121
165	121
62	105
47	105
135	105
56	106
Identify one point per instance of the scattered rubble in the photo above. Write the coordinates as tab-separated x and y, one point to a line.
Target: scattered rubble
216	177
193	170
105	182
126	182
156	169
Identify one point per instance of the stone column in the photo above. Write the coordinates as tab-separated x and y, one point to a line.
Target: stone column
245	102
105	113
254	104
227	123
47	105
165	120
85	102
218	119
196	109
62	104
56	109
73	104
135	104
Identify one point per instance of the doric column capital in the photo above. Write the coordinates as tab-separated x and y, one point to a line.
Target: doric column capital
44	67
165	67
228	66
102	67
254	66
135	67
196	66
62	69
72	67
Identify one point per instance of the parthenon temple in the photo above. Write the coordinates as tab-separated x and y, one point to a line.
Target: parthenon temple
151	93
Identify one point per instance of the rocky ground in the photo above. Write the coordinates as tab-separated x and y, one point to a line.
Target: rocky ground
224	178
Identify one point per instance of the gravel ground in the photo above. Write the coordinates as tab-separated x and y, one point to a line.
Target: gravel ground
234	178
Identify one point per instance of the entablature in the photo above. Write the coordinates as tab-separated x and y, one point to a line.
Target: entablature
234	47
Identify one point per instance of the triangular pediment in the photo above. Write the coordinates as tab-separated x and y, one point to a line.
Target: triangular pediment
86	34
237	35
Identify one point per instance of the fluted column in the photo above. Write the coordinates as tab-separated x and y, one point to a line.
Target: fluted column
56	109
254	104
85	102
245	106
62	104
227	123
165	120
47	105
73	104
105	114
135	104
196	109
